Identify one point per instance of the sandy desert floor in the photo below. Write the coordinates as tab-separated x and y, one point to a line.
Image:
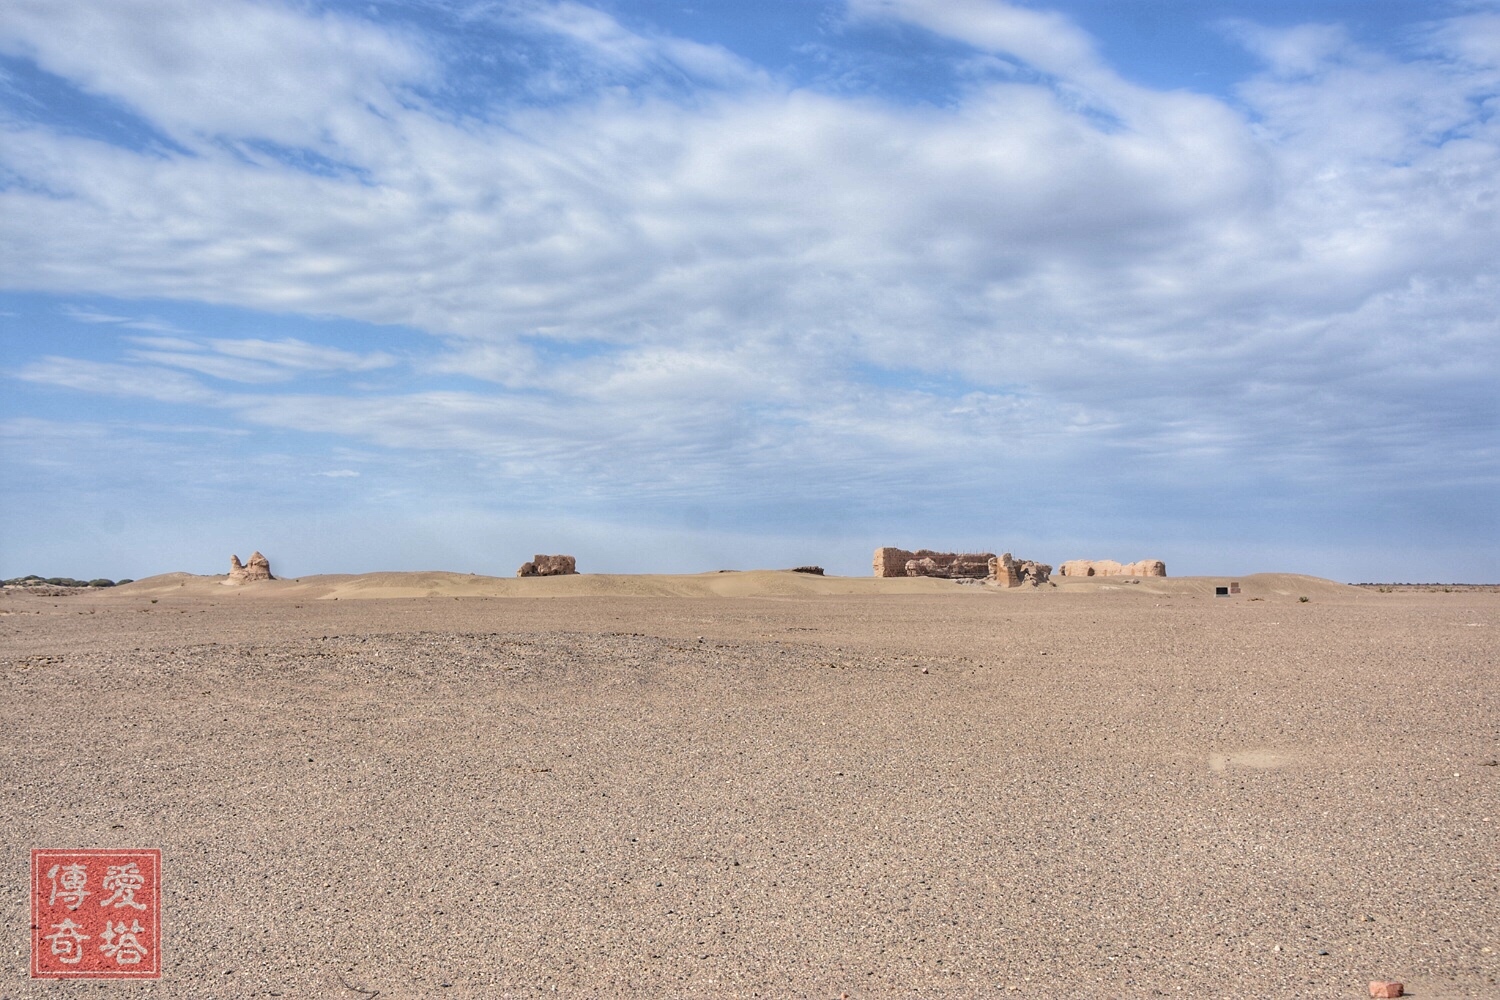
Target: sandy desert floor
768	785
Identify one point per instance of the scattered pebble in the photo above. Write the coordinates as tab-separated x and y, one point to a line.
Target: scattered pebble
271	679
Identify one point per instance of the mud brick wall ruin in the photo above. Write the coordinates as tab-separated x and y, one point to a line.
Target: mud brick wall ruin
1108	567
1008	571
549	566
925	562
258	568
1005	570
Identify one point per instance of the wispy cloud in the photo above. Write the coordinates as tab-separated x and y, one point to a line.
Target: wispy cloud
253	360
232	68
1046	40
127	380
92	316
296	355
166	343
601	39
643	266
156	326
82	315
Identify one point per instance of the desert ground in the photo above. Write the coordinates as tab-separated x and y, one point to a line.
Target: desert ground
768	785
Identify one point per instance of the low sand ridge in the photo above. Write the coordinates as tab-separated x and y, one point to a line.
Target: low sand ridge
750	583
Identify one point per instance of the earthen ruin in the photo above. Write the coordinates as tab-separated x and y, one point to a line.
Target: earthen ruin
1108	567
1007	571
549	566
925	562
258	568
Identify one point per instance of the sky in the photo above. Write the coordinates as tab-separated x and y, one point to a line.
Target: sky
688	285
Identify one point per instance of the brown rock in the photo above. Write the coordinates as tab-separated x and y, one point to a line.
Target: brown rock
549	566
1007	571
258	568
1383	989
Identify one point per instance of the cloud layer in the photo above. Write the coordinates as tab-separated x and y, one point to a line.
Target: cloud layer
644	270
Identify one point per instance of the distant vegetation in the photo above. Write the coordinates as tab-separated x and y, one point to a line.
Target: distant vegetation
59	581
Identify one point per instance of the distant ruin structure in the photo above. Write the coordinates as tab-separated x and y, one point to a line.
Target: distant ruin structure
941	565
1108	567
1007	571
258	568
549	566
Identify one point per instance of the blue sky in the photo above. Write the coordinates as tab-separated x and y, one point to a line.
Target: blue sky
673	286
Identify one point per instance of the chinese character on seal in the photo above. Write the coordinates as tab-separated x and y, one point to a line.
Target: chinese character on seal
96	914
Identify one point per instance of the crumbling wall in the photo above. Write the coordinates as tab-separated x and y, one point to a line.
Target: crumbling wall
925	562
1008	571
258	568
1108	567
549	566
891	561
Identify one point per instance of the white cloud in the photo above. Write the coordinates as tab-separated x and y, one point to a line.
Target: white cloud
153	325
690	297
1302	50
253	360
509	363
105	379
166	343
150	428
230	68
1047	40
1472	38
298	355
92	316
599	37
215	366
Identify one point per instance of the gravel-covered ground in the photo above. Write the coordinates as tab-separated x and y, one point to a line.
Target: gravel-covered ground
1040	795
